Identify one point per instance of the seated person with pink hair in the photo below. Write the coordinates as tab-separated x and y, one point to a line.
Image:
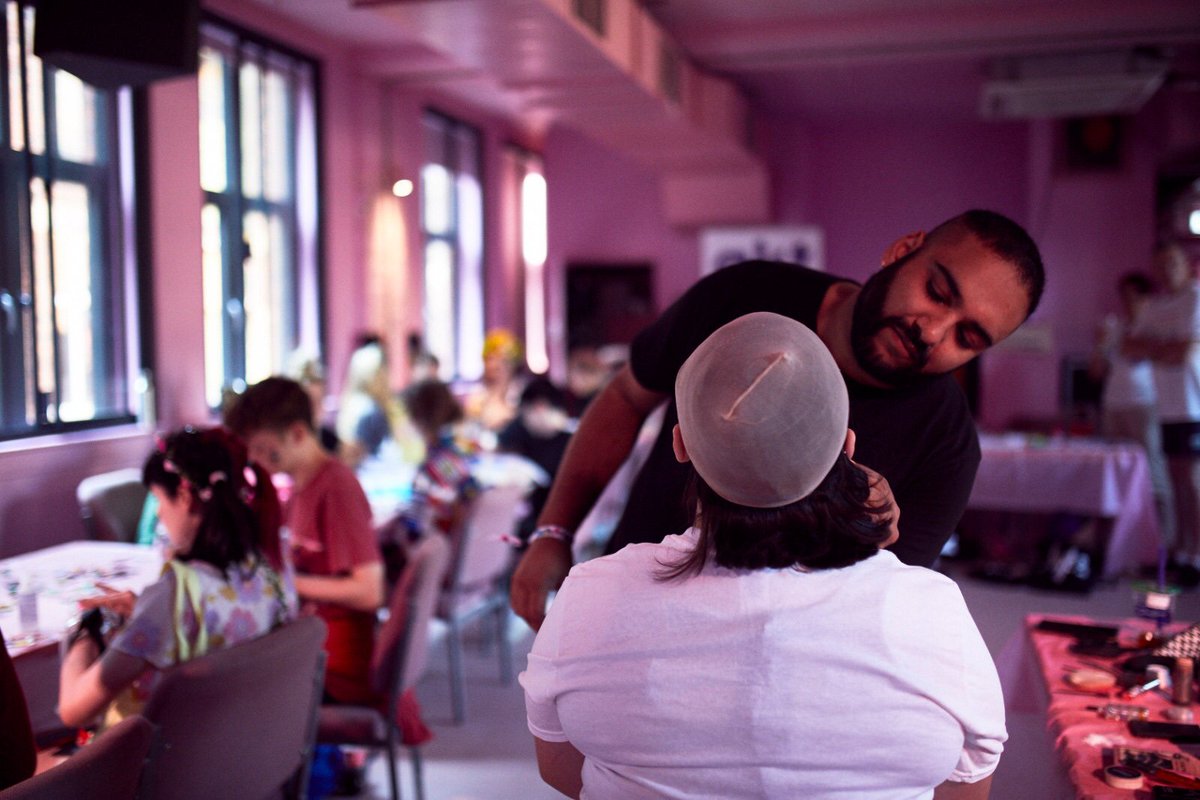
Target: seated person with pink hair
773	649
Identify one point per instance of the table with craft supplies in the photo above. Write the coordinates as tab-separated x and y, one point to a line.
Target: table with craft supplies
62	575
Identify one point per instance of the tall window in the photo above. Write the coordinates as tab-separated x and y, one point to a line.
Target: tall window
452	221
258	171
68	354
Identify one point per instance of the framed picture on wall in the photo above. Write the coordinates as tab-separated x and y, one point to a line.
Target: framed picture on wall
608	303
798	244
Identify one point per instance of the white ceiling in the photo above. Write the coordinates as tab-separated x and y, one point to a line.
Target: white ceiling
819	60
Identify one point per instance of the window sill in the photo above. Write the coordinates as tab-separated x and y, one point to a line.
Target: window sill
117	433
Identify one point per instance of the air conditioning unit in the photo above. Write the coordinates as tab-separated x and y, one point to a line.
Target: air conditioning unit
1074	85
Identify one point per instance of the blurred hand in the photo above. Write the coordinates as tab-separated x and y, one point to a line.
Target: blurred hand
542	570
120	601
881	496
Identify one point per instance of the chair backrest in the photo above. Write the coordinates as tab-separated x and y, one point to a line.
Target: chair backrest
111	504
107	769
238	722
483	554
402	647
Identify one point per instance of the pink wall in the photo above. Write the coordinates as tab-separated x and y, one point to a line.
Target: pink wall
605	207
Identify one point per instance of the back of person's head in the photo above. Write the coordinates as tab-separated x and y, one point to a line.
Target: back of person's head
270	405
432	406
1005	238
366	364
240	514
502	343
763	413
543	390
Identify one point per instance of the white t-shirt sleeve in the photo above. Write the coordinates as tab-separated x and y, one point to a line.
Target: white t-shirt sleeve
950	662
540	677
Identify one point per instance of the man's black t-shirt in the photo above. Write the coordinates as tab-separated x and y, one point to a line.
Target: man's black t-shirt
921	438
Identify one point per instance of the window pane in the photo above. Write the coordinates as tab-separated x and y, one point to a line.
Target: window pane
16	112
214	158
211	247
43	305
33	85
264	296
470	277
278	154
75	118
437	199
74	309
439	300
251	122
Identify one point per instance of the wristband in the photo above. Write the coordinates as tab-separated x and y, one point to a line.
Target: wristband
552	532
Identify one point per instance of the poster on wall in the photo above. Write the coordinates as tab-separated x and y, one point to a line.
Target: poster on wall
799	244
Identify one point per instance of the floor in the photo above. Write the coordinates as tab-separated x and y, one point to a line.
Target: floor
490	756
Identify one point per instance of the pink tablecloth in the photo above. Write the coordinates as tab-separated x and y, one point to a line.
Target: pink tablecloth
1082	476
1080	734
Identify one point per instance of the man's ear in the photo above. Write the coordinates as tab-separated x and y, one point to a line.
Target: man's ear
677	445
848	447
902	247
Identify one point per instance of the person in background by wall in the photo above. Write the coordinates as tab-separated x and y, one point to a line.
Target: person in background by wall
540	433
369	416
1127	402
1168	334
443	483
493	403
586	375
310	373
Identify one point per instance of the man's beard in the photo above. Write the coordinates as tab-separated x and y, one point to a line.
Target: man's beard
868	322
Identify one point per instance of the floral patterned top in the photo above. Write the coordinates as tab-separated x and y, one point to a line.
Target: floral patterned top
195	608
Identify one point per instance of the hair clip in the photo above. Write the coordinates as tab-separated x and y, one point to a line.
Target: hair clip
171	466
216	477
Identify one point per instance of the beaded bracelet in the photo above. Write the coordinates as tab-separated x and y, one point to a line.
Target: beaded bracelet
552	532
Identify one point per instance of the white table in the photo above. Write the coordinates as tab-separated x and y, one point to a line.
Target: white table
67	572
1091	477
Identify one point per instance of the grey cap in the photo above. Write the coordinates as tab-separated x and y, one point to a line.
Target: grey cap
763	410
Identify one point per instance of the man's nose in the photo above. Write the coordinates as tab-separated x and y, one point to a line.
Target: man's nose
934	327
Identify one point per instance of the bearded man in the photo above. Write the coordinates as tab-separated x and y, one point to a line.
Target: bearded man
939	300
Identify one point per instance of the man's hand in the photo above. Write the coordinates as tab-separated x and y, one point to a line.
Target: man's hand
542	570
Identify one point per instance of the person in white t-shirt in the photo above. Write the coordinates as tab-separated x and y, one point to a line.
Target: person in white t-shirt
773	649
1168	333
1127	404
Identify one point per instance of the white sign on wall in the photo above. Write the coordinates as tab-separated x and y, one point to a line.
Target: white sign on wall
798	244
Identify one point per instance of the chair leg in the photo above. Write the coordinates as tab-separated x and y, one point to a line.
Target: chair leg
458	698
392	755
418	774
505	648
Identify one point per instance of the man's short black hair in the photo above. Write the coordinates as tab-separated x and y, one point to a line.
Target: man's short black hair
1006	239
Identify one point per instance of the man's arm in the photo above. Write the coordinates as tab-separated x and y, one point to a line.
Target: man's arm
561	766
603	441
361	590
952	790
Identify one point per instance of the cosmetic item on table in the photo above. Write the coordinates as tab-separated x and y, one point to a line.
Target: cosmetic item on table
1122	711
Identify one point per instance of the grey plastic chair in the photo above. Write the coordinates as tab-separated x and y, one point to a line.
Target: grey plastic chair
478	581
107	769
401	651
110	504
239	722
